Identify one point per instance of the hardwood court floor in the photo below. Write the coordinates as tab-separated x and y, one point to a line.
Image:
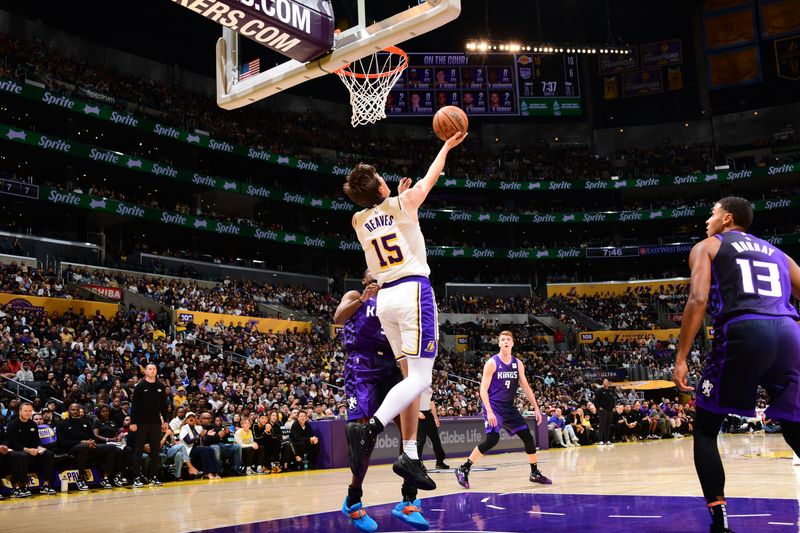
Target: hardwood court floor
758	466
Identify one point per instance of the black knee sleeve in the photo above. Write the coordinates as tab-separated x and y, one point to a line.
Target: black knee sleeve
491	441
528	440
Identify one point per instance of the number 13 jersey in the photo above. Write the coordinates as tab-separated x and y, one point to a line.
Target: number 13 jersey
749	276
393	244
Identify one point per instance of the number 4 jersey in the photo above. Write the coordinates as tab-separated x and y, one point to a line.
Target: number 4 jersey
392	242
749	276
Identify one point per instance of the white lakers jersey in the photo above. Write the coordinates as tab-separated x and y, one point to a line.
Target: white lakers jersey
392	242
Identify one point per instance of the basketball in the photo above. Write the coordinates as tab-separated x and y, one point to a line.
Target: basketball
449	120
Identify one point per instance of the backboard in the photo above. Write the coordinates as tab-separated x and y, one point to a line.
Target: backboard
358	41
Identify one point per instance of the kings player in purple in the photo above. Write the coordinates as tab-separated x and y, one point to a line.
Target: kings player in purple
502	374
746	283
370	371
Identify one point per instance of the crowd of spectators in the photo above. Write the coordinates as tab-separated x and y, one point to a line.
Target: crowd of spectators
32	281
245	386
627	311
298	133
460	303
234	297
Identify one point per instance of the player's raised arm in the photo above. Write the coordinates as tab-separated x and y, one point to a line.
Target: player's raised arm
351	301
413	197
486	380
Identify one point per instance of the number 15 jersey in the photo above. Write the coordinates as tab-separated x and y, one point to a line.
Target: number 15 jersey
749	276
392	242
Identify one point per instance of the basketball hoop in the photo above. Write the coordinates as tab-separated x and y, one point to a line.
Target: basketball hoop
369	81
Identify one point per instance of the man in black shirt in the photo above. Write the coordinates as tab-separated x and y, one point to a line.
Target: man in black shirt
4	451
304	441
76	438
149	416
217	438
26	448
604	399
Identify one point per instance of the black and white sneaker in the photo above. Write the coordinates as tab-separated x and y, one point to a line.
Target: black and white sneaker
139	482
20	493
155	482
413	471
120	481
47	490
81	484
105	483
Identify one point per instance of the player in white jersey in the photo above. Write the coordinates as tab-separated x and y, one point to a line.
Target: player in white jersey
394	247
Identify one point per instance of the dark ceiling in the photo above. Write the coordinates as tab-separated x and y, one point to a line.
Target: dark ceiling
165	31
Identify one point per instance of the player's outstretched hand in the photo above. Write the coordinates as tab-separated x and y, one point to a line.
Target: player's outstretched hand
370	291
404	185
679	377
455	140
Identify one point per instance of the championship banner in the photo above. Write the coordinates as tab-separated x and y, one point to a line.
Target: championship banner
787	57
616	63
737	67
56	305
618	288
264	325
588	337
674	78
779	18
716	5
610	88
661	54
730	29
112	293
643	83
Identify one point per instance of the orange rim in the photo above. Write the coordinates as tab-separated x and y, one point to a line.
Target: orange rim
391	50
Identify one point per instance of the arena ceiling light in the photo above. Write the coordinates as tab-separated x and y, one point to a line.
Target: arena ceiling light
545	48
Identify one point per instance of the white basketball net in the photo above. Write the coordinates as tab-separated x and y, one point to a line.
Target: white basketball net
369	81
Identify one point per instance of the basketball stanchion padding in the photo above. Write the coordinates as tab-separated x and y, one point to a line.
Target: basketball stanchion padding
369	81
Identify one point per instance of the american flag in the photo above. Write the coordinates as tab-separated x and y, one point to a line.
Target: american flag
250	69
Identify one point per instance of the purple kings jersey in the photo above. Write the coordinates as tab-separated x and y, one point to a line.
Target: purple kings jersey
749	276
505	380
363	332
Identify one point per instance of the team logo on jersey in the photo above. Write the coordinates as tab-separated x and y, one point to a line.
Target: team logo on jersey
707	386
431	346
352	402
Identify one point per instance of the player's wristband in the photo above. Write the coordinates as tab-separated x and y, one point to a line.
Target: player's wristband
360	300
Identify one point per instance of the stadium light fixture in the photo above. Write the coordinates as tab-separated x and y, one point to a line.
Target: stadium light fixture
545	48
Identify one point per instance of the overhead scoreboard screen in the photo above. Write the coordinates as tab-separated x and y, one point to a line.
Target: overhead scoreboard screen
536	85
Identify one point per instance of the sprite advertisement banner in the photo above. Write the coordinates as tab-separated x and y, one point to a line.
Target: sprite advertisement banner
107	205
49	142
565	106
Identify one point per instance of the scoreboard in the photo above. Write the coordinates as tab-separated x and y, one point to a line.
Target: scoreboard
488	84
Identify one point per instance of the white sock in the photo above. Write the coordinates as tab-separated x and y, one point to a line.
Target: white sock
402	394
410	449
